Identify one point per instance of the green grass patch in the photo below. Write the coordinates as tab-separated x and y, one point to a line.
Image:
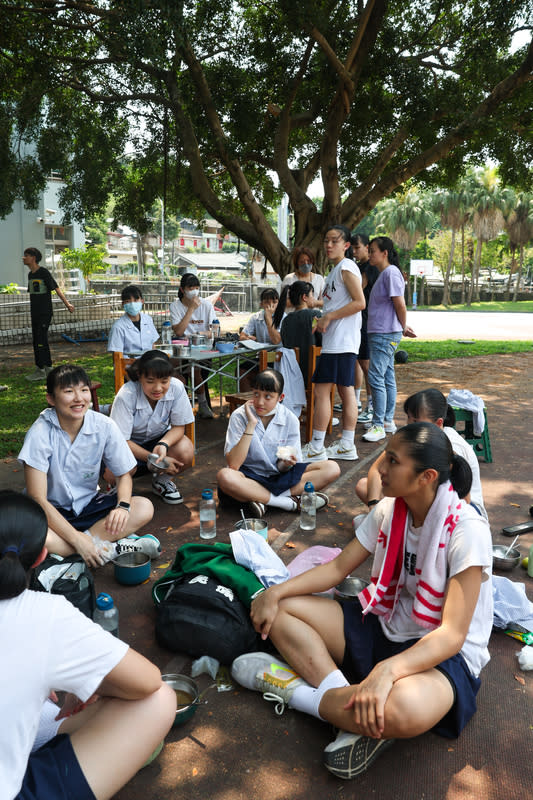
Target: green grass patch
503	306
22	403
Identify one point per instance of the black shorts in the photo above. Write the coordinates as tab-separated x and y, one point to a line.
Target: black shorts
364	352
366	645
98	508
337	368
54	773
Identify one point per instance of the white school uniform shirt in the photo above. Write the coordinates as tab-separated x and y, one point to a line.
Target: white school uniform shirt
470	545
73	654
73	468
125	337
202	317
343	335
138	421
256	326
461	447
284	429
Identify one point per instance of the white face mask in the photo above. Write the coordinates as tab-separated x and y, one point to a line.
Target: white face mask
190	293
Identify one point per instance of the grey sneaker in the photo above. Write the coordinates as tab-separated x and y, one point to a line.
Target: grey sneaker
204	412
351	754
37	375
264	673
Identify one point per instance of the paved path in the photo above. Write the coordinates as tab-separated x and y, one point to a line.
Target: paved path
485	326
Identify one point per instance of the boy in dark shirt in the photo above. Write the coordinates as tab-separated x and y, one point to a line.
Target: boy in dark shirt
41	284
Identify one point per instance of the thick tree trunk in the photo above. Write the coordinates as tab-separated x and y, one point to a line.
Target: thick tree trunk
446	289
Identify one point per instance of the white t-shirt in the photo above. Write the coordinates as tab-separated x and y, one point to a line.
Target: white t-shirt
342	335
284	429
138	421
126	337
461	447
202	316
73	468
316	280
46	644
470	545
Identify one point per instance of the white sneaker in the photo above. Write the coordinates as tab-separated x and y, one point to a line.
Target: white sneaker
334	422
262	672
204	412
309	454
147	544
352	754
341	451
390	427
37	375
375	434
358	520
166	489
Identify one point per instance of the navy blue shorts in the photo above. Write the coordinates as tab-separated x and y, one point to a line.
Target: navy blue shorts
53	773
98	508
337	368
280	481
366	645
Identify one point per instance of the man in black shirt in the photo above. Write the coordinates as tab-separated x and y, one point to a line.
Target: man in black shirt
41	284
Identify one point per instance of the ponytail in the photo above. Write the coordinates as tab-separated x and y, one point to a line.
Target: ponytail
461	475
277	316
23	529
430	448
384	243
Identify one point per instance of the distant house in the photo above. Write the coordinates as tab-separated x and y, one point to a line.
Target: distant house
42	228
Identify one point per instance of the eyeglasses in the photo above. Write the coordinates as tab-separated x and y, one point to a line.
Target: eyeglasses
333	241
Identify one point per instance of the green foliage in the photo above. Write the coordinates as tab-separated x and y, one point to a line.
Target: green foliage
224	106
87	259
9	288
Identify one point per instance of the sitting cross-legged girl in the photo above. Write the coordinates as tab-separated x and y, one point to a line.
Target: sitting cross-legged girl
263	454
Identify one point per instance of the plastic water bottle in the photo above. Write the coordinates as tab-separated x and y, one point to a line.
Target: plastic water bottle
106	613
308	508
208	515
166	334
530	562
215	327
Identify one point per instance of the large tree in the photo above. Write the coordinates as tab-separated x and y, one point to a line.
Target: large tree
221	105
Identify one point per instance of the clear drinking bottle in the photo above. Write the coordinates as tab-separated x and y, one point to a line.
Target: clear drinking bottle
106	613
208	515
308	508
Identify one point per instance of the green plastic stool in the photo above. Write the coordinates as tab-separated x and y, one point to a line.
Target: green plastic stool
481	444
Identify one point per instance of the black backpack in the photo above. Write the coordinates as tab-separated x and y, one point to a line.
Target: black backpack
73	580
199	616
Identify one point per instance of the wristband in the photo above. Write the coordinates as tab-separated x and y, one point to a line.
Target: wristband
124	505
247	434
372	503
163	443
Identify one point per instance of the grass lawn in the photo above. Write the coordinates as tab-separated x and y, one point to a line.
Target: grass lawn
503	306
22	402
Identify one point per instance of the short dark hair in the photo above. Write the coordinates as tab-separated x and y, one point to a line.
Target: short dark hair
270	380
269	294
131	291
66	375
302	251
360	238
153	362
23	529
32	251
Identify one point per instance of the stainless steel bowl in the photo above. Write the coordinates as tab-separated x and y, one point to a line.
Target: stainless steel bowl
185	689
502	561
349	588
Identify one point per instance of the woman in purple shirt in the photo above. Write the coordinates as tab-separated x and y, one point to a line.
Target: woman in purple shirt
387	317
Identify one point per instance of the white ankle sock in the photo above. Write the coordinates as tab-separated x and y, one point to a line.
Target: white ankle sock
317	440
282	501
358	395
307	698
348	436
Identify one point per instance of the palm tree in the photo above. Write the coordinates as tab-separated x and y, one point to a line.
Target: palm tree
490	202
453	207
519	227
408	217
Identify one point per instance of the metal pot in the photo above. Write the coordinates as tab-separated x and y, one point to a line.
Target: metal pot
185	688
132	568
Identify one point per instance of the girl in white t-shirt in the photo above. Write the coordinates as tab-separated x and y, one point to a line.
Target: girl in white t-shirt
405	656
340	326
129	703
428	405
190	314
151	411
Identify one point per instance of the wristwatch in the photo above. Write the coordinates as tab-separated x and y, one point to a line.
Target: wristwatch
124	505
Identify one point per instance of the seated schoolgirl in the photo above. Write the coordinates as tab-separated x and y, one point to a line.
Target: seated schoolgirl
62	455
405	656
136	709
298	327
260	328
255	476
135	331
428	405
151	412
190	314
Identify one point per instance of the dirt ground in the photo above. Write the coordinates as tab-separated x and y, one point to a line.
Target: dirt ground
235	747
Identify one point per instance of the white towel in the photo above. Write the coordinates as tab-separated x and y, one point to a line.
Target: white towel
294	387
462	398
511	606
250	550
